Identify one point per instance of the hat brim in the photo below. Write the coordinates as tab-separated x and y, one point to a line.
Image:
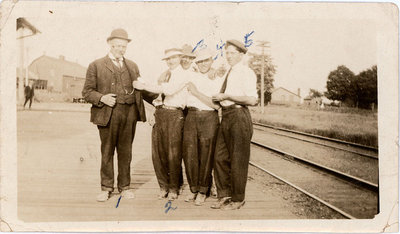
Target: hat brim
236	44
126	39
198	59
165	58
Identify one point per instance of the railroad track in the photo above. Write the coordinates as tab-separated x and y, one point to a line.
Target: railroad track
362	150
352	197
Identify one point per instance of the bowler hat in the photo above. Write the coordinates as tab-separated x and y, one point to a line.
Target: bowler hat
119	33
240	46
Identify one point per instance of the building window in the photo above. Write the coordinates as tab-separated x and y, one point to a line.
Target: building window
40	84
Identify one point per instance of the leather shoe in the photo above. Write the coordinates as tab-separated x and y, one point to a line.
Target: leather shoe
190	197
163	194
233	206
221	202
200	199
103	196
172	196
128	194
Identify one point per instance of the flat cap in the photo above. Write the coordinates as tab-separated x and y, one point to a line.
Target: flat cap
239	45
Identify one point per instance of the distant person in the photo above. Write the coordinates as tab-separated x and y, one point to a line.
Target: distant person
232	151
29	93
200	130
116	107
169	120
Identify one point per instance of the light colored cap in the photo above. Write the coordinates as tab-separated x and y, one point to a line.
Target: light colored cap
187	51
171	52
203	55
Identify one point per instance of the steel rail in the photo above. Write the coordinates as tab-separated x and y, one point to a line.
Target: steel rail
355	180
319	137
326	145
304	191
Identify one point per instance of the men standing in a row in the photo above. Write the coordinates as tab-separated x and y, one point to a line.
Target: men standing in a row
29	93
116	107
200	128
234	135
169	120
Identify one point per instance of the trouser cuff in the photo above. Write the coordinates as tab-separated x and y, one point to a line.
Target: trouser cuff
124	188
204	190
238	197
223	193
104	188
194	189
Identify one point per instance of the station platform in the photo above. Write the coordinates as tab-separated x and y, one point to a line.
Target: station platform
59	177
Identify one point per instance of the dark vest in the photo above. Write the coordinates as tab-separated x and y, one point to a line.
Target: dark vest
121	85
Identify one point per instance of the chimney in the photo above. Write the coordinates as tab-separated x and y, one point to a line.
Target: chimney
298	92
62	57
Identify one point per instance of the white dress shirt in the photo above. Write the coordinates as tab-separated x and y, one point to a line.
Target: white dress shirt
114	60
205	86
242	81
175	96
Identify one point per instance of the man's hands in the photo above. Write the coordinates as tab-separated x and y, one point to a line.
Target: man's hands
108	99
219	97
138	85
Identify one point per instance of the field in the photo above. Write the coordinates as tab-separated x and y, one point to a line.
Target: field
359	126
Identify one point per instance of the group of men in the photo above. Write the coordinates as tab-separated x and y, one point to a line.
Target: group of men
187	126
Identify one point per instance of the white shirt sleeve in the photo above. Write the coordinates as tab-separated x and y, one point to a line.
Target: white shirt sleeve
250	84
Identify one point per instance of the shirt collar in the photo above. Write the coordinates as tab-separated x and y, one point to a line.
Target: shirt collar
112	57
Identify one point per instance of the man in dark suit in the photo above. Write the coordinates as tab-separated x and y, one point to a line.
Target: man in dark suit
116	107
29	93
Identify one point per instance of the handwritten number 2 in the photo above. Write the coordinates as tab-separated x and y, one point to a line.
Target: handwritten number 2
168	206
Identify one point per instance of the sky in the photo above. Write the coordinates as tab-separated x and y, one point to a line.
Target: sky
305	43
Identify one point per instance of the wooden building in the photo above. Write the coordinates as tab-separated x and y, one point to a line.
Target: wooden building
59	75
283	96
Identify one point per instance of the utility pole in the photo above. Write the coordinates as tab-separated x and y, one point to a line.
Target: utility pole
263	45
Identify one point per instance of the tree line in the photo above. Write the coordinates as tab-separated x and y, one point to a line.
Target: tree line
360	91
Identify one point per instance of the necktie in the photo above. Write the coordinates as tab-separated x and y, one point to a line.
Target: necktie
118	63
223	88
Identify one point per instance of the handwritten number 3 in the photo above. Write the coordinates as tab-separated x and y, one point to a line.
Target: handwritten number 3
168	206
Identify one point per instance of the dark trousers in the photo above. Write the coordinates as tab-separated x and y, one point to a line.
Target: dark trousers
199	136
167	148
232	153
119	134
30	101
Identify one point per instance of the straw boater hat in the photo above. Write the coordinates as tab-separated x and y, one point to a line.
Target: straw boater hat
119	33
187	51
203	55
239	45
172	52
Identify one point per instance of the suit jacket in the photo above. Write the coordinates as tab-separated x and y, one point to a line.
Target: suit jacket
29	91
98	83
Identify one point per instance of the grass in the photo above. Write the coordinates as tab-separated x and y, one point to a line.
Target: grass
358	126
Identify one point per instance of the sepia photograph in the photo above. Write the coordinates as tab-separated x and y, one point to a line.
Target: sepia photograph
198	116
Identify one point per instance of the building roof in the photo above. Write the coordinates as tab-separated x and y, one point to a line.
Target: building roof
285	90
46	66
23	23
22	73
